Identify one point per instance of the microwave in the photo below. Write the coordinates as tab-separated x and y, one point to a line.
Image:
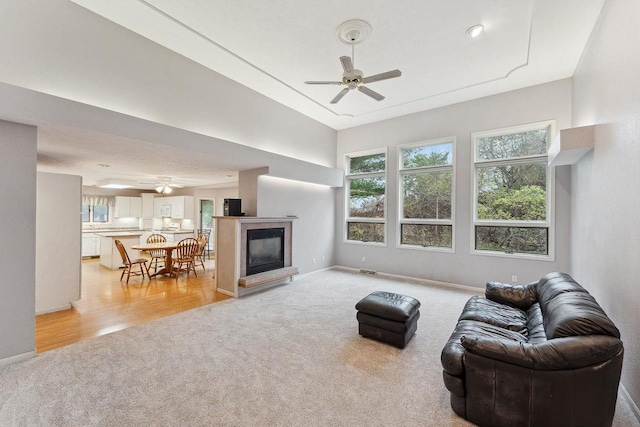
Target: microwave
165	210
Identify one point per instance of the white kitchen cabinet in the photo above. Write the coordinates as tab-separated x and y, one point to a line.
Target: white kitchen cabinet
178	207
148	205
128	207
90	244
136	207
162	207
182	207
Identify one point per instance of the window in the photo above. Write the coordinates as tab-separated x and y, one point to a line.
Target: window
426	194
513	191
366	188
95	213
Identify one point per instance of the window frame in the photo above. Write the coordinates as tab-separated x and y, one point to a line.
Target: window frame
415	171
347	193
91	216
549	223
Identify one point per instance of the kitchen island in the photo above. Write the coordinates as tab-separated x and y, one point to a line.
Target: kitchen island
109	255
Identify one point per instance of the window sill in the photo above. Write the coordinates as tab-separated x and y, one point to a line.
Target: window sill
358	242
426	248
548	258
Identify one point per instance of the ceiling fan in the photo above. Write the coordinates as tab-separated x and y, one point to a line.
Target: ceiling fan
164	184
354	32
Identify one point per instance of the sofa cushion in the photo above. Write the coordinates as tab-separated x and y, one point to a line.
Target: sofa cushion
483	310
576	313
514	295
551	355
535	325
453	351
554	284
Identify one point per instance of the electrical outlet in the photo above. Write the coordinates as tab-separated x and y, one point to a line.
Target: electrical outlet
323	257
514	279
364	259
313	260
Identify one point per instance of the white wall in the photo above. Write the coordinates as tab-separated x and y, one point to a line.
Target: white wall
248	190
605	199
18	250
72	53
537	103
58	241
313	231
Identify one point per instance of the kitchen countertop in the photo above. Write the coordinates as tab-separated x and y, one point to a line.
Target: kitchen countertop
108	230
133	231
119	233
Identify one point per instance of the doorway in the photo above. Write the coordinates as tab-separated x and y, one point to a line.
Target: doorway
206	213
207	210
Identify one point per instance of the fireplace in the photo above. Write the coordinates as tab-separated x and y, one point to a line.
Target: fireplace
265	250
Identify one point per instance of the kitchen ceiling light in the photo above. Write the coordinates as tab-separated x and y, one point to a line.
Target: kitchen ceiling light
475	31
164	189
114	183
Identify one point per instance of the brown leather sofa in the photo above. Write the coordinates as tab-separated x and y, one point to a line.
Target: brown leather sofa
544	354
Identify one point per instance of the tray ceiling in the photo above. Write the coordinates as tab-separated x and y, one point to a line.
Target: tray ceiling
273	47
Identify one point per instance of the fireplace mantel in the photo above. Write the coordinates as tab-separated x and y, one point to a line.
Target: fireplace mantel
231	254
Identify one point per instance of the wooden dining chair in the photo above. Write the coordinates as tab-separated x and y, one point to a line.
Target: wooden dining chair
128	263
185	255
157	254
207	233
202	245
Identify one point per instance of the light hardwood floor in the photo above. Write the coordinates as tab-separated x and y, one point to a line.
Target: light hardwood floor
108	305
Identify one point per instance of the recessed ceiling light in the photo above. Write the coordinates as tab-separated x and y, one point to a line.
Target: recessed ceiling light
115	183
475	31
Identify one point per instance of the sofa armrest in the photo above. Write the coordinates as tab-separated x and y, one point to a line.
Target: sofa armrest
560	353
518	296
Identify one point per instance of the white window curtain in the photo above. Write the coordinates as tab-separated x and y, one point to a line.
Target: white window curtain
90	199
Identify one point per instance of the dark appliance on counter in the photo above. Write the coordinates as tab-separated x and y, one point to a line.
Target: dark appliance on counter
232	207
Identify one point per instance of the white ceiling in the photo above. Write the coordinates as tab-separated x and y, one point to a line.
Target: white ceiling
273	46
81	152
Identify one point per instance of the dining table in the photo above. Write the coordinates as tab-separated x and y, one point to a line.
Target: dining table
167	247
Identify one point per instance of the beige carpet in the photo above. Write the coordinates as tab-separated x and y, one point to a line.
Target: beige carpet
289	356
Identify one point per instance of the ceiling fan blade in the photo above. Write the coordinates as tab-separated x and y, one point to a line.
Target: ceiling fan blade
323	83
347	65
339	96
372	93
382	76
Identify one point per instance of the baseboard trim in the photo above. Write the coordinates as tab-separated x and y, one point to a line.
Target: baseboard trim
427	282
224	291
313	272
17	358
626	396
54	309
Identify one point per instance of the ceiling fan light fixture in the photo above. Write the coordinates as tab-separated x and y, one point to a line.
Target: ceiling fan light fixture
475	31
164	189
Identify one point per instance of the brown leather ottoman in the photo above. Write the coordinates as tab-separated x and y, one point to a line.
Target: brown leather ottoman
388	317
